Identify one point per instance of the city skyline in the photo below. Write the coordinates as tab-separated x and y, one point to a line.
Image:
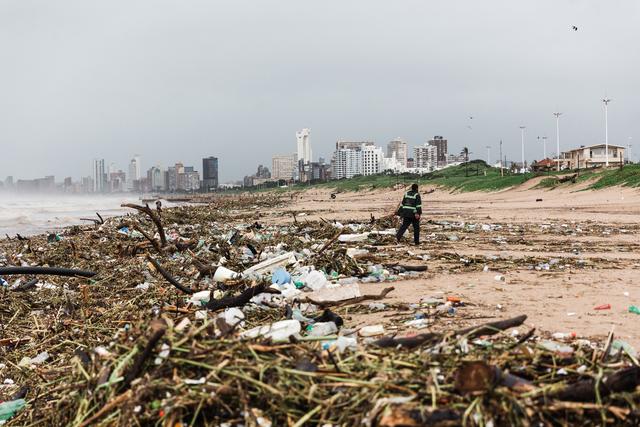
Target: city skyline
189	81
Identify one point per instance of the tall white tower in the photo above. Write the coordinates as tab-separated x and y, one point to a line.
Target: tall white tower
304	146
135	171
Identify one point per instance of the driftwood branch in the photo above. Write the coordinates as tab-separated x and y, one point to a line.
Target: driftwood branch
204	268
355	300
168	276
146	235
330	242
136	369
48	271
237	301
432	338
26	286
116	401
626	379
155	217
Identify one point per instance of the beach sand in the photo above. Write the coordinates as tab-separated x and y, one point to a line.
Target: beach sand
556	300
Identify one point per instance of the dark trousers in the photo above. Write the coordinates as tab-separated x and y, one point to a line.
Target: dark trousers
406	222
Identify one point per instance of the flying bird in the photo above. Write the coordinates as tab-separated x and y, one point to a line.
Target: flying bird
574	28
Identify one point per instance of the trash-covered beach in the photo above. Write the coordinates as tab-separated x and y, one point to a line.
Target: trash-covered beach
253	310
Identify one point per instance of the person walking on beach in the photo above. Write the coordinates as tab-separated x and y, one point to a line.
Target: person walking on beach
410	210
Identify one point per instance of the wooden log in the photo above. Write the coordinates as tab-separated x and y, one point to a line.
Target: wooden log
626	379
433	338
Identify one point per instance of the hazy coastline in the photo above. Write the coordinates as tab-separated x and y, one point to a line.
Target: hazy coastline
29	214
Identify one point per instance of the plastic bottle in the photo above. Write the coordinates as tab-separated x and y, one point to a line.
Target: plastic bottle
8	409
277	332
370	331
564	336
322	329
633	309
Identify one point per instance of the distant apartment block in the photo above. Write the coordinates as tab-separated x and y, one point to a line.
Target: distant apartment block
425	157
442	150
282	167
398	148
210	173
155	179
371	160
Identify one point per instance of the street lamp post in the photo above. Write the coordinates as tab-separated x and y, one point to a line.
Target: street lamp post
501	165
628	149
558	138
606	131
522	128
488	155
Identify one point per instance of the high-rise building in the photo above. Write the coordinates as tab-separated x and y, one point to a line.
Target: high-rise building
135	171
172	176
347	163
99	176
209	173
425	157
282	167
398	148
304	146
441	145
371	159
189	180
155	178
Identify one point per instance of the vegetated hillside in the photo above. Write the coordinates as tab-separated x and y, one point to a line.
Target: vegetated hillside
627	176
475	175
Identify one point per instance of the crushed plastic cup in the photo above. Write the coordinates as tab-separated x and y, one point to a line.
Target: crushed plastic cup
322	329
232	316
341	344
200	298
634	309
500	278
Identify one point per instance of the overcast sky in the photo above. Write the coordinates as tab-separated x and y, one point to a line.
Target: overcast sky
180	80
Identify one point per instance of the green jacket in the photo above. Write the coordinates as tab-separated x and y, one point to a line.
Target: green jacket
411	205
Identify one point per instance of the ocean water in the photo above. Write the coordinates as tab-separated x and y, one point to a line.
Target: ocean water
35	213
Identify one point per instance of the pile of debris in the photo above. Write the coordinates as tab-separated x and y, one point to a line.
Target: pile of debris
204	315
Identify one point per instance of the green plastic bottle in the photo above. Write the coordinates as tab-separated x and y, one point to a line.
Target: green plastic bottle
9	409
634	309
